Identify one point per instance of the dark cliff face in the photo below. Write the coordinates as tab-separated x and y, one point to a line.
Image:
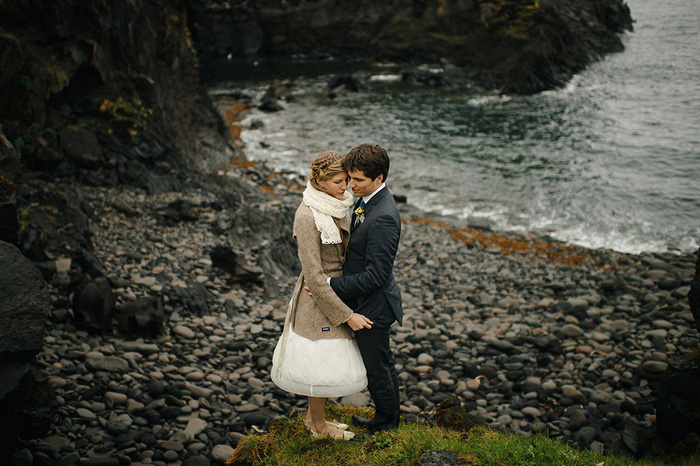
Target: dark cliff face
100	84
98	92
520	46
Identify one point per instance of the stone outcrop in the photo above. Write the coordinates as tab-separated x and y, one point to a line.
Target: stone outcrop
520	46
108	92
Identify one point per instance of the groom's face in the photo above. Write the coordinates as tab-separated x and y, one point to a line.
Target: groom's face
362	185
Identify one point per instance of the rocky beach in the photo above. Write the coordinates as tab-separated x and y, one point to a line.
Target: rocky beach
532	336
145	264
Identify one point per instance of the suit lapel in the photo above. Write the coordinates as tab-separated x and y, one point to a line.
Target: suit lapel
368	206
375	199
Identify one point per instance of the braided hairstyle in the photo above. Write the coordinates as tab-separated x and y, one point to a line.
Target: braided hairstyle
323	168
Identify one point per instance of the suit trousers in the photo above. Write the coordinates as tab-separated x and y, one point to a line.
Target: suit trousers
383	381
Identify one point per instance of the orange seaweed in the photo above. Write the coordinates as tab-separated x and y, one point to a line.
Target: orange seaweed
553	251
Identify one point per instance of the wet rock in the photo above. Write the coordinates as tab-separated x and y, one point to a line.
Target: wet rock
576	418
572	393
184	332
501	345
428	78
198	460
194	298
116	427
345	83
143	317
93	305
120	205
81	147
571	331
179	211
98	361
451	414
235	264
585	436
260	418
270	104
221	453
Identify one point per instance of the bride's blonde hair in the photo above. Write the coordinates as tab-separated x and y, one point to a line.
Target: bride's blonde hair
323	168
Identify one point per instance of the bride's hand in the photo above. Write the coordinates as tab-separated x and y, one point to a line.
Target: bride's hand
358	322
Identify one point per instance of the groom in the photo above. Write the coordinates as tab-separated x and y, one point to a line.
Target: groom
367	284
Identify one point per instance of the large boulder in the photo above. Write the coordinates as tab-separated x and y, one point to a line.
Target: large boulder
694	294
93	305
24	305
238	268
678	404
45	214
144	317
81	147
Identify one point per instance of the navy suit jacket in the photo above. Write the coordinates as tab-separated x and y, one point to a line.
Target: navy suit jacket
367	285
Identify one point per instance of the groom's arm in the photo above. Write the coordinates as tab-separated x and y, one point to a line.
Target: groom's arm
382	244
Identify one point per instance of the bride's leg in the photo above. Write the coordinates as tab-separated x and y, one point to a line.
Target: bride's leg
315	419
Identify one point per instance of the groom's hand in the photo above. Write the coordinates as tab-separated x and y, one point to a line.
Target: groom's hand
358	322
308	291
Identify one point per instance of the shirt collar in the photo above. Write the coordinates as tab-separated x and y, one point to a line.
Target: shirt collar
367	198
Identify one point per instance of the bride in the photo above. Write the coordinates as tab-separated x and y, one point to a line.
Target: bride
317	355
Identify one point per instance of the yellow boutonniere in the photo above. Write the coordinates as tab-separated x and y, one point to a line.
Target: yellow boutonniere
359	215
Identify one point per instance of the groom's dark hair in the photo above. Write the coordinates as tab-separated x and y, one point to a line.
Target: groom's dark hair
370	159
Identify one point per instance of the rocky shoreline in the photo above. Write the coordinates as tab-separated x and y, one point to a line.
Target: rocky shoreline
528	344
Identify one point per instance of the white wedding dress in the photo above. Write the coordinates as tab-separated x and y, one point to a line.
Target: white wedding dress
325	368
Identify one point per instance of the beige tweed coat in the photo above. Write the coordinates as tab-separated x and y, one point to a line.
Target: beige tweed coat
322	315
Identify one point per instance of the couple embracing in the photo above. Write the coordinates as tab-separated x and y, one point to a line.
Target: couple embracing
336	334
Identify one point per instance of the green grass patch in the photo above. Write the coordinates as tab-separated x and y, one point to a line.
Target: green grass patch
288	444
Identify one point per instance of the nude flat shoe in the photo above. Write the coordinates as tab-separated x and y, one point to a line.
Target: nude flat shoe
346	434
339	425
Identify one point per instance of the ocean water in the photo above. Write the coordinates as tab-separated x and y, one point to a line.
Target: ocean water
610	161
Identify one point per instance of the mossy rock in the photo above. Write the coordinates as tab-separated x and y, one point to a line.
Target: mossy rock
452	415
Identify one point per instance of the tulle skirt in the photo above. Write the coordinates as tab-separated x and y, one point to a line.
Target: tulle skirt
322	368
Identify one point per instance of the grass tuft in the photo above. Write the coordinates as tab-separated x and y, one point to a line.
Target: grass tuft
288	444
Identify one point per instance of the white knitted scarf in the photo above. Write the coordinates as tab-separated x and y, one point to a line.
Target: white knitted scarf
325	207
